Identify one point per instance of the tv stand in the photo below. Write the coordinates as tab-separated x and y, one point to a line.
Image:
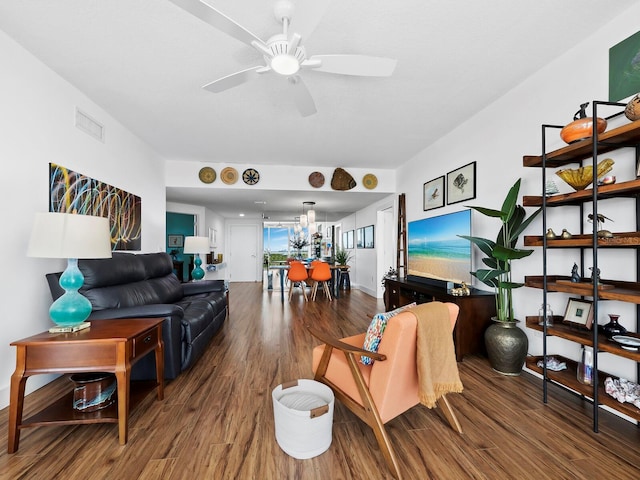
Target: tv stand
475	314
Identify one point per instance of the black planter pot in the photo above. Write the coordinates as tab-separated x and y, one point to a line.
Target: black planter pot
507	347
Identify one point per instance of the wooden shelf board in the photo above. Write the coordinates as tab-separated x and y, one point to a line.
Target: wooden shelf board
61	411
625	135
568	378
619	240
622	291
584	337
629	188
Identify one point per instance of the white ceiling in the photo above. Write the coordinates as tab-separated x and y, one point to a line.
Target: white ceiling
144	61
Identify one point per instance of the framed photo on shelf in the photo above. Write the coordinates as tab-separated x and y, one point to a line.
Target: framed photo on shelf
461	184
175	241
579	313
433	194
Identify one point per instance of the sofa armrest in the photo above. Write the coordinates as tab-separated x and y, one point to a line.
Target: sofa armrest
142	311
203	286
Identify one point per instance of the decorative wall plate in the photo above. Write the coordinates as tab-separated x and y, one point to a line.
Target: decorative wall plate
370	181
229	175
207	175
250	176
342	180
316	179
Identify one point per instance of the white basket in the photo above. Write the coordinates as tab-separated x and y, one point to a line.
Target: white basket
303	412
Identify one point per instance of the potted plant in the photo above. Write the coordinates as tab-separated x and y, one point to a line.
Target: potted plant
342	257
298	243
506	344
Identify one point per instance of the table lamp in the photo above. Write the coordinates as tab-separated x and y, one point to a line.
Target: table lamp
70	236
196	246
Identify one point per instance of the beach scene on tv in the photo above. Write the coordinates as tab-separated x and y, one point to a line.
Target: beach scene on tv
435	250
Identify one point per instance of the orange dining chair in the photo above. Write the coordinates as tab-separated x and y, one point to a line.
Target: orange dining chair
320	274
379	392
297	275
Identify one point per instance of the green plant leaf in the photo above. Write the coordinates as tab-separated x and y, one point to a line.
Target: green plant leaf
484	244
510	285
489	212
506	254
509	204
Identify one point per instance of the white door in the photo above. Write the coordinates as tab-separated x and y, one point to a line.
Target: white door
243	253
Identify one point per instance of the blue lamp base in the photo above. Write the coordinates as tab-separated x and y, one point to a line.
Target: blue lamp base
197	273
72	308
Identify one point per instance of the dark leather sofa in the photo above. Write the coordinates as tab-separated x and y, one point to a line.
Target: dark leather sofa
144	285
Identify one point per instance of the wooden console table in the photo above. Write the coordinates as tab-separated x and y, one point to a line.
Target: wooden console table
107	346
475	314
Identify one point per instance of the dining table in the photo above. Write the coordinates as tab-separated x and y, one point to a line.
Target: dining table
334	284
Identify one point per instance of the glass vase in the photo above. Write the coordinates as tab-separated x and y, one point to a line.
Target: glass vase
585	366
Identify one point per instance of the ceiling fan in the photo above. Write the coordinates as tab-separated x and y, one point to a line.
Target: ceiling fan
284	53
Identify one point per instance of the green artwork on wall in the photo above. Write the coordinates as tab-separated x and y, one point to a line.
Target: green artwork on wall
624	68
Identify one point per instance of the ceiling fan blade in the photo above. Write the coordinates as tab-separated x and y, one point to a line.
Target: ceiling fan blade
307	15
359	65
302	97
233	80
217	19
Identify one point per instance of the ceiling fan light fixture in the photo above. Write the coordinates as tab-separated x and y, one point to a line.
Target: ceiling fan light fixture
285	64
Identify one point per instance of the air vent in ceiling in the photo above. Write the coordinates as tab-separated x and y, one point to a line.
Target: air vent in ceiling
88	125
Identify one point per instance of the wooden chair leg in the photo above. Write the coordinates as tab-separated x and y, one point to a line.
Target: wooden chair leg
327	290
445	406
303	286
314	291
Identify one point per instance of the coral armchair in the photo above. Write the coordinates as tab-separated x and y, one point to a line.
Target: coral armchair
379	392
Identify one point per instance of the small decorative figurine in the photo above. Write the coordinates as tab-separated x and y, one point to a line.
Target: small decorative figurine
575	276
461	291
565	234
595	275
550	234
600	221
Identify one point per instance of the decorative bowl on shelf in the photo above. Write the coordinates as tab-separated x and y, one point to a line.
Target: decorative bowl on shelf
582	126
581	129
581	178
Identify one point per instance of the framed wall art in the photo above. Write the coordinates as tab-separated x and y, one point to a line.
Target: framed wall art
368	237
461	184
579	313
433	194
213	238
360	238
624	74
348	241
175	241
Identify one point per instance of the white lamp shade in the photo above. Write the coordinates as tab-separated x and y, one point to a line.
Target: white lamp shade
313	228
311	216
68	235
196	245
303	221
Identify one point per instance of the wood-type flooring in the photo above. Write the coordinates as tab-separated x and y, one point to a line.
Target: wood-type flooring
216	421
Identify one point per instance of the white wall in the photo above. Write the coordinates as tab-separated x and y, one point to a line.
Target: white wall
37	124
367	268
498	137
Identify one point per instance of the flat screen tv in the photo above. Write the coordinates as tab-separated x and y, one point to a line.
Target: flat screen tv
436	255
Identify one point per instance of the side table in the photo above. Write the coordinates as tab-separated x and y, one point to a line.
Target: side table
107	346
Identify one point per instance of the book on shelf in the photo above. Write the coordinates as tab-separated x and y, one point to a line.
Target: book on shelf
74	328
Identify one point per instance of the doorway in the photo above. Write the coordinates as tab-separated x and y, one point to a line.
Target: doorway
243	260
